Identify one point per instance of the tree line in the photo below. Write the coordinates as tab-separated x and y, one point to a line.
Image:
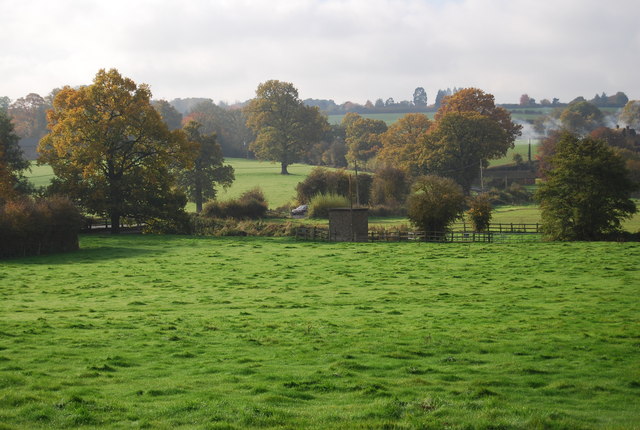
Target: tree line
116	152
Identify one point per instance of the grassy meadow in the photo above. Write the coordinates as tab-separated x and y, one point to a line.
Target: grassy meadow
183	332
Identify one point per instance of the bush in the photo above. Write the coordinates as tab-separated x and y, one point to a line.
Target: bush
324	181
250	205
204	226
320	204
390	187
435	203
45	226
480	211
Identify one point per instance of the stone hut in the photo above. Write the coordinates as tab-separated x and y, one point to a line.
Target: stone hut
348	225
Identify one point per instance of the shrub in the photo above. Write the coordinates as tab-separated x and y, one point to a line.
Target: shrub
204	226
480	211
324	181
435	202
515	194
45	226
250	205
320	204
390	187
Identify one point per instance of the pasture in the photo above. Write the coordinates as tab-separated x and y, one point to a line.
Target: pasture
182	332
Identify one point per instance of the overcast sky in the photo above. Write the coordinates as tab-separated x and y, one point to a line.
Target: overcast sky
346	50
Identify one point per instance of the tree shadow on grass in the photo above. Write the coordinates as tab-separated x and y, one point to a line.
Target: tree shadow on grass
84	256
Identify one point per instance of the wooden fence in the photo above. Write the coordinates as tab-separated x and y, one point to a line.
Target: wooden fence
498	233
104	224
501	228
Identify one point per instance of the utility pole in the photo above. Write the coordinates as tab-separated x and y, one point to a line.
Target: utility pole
355	165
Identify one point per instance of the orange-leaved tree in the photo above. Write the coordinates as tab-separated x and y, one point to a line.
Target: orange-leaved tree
112	152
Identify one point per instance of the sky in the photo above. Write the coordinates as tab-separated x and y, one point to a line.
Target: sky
345	50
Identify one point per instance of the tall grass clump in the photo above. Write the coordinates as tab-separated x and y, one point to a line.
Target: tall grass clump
250	205
320	204
44	226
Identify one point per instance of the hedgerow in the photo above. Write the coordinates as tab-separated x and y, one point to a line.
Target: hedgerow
44	226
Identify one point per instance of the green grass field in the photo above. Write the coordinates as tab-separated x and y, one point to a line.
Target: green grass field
279	189
182	332
389	118
521	147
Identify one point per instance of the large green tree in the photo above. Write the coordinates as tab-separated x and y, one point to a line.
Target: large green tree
12	162
586	192
460	143
285	128
112	152
209	170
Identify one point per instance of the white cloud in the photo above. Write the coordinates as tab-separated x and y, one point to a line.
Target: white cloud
341	49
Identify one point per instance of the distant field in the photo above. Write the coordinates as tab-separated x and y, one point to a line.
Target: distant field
278	189
389	118
521	147
182	332
40	176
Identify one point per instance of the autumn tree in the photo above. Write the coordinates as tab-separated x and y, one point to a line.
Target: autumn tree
469	130
586	192
581	117
403	144
476	100
12	162
630	115
285	128
525	100
209	170
362	136
111	150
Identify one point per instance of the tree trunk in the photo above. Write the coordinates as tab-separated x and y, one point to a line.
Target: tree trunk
283	169
115	223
